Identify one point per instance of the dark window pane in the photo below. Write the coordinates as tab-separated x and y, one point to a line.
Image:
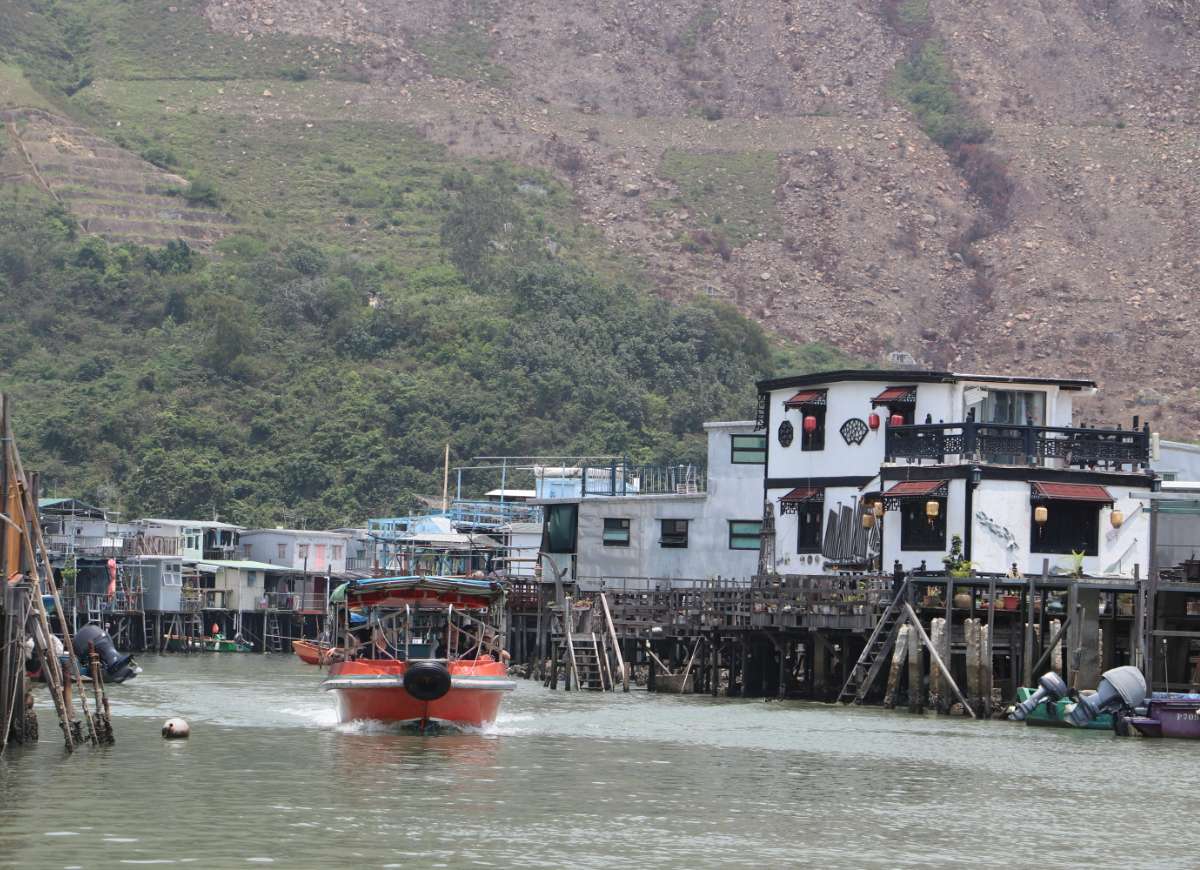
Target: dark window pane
616	532
748	449
917	530
1071	526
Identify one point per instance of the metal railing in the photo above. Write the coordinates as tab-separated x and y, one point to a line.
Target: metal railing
122	601
621	478
292	601
1005	444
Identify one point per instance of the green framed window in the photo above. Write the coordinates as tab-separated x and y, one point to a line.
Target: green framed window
748	449
616	532
744	534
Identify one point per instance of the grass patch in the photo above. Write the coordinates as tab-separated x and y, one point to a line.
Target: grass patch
698	26
143	39
926	82
733	193
16	90
463	53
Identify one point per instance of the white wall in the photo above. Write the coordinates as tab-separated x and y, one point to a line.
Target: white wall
1178	459
263	546
1001	506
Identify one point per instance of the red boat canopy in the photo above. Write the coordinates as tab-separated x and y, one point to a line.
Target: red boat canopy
419	592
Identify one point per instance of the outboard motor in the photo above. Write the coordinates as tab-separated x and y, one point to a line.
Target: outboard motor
1121	687
1050	688
426	680
117	667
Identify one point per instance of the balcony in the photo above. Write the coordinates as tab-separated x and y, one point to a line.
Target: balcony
1004	444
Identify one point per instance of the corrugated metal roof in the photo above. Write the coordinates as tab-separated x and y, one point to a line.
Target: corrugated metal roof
1071	491
244	565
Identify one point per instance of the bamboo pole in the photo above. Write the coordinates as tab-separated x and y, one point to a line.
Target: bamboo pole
34	522
612	633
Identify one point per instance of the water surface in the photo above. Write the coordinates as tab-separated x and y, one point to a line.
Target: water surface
580	780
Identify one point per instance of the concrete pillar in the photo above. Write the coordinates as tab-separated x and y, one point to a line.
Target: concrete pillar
938	691
916	672
899	654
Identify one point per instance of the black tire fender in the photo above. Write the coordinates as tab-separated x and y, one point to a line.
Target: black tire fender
426	681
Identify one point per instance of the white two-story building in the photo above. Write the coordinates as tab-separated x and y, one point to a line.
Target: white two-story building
301	550
876	467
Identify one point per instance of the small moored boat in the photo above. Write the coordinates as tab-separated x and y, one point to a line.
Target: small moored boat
433	658
1173	714
217	643
313	652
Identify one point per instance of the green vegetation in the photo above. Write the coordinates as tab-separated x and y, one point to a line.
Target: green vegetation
913	15
698	26
732	193
926	82
463	53
378	299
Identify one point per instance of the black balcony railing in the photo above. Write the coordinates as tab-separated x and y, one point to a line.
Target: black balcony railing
1005	444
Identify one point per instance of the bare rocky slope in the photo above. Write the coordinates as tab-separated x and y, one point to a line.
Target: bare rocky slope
761	152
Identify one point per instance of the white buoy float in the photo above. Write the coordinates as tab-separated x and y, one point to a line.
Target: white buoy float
176	729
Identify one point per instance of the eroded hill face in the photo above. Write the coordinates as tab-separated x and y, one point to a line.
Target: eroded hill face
759	152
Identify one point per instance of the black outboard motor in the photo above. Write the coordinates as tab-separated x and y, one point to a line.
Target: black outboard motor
1121	687
426	680
117	667
1050	688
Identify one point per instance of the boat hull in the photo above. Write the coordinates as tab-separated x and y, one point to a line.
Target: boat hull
309	652
1170	717
365	690
1053	714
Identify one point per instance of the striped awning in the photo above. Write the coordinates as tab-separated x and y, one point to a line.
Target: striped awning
917	489
806	397
1092	492
896	395
804	493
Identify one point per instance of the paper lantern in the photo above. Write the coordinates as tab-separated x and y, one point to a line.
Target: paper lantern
877	508
810	424
1041	514
873	421
895	420
932	509
868	521
1117	518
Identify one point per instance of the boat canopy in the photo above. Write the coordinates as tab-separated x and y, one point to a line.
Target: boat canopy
418	591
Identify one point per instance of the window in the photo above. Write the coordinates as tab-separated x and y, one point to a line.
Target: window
281	551
808	517
337	551
302	551
744	534
674	534
1071	526
251	578
814	440
917	530
616	532
748	449
247	550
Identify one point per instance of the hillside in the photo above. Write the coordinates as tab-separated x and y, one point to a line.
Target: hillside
980	185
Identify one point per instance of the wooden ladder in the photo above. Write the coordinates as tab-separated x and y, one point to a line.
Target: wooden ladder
875	653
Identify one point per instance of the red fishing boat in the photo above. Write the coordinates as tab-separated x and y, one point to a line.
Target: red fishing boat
311	652
430	655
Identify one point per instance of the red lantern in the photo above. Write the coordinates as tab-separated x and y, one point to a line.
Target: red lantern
873	421
896	420
810	424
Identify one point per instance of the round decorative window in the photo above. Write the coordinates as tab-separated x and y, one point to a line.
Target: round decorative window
786	433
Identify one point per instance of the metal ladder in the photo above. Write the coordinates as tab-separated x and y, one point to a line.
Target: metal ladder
870	663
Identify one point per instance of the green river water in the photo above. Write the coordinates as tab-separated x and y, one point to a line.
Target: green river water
580	780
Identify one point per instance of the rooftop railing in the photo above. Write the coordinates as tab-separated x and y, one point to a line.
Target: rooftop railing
1006	444
620	478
